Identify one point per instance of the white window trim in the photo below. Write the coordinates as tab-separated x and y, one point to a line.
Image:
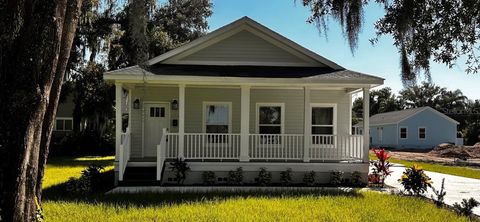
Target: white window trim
204	114
400	132
325	105
380	134
282	117
62	118
418	131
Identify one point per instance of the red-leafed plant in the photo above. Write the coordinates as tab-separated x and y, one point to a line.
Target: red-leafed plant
381	167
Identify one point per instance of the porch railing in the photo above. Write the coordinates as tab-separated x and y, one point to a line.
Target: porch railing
205	146
124	155
276	146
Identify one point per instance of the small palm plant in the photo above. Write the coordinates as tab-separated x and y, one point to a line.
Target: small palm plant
415	181
180	168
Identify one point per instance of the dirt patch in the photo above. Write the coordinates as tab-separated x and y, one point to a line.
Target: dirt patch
460	152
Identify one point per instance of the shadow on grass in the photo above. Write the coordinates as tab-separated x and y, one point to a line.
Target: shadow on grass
59	193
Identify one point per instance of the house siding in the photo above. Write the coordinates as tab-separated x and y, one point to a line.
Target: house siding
438	130
247	47
389	138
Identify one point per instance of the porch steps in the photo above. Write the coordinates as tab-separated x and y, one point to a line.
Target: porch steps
140	176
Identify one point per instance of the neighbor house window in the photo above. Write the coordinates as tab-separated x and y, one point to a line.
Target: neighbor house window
217	117
422	133
270	118
63	124
323	123
403	132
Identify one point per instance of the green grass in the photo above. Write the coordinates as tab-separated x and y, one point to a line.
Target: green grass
287	206
439	168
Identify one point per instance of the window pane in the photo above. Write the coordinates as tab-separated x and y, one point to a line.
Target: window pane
152	111
216	129
403	133
322	116
217	114
270	129
59	124
162	112
328	130
421	133
68	124
270	115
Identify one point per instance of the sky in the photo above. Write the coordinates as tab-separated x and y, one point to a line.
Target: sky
288	18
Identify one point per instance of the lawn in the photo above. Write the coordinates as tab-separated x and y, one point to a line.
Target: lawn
292	206
439	168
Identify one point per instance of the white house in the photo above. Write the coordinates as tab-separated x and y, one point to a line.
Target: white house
418	128
240	96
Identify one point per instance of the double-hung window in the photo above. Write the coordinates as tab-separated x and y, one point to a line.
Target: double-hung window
323	123
217	120
270	120
63	124
403	133
422	133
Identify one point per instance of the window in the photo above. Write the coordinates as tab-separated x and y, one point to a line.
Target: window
422	133
63	124
270	118
157	111
323	123
403	132
380	133
217	117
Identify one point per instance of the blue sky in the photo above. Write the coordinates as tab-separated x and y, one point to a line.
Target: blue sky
288	18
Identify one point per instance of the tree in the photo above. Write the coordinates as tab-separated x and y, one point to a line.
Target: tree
35	46
426	94
381	101
421	29
471	131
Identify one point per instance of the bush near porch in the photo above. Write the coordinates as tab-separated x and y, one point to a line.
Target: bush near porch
291	206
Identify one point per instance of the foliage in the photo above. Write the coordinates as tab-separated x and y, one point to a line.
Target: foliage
356	178
381	167
415	181
88	182
336	177
179	168
264	177
286	176
208	177
381	101
439	197
465	208
309	178
235	177
422	30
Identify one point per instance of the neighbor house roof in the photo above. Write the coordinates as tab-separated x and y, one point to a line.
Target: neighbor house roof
398	116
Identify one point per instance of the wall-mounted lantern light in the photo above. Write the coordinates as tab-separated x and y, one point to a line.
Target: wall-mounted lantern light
136	104
174	104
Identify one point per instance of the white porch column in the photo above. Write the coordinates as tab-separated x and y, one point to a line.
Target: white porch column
366	124
307	129
244	123
181	120
118	119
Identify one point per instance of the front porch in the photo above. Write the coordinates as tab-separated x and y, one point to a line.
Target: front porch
297	140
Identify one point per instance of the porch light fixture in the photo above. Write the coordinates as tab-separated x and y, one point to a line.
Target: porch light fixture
136	104
174	104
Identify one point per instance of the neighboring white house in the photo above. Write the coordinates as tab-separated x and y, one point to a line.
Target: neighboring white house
418	128
240	96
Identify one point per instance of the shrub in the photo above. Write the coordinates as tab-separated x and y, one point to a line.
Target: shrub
356	178
465	208
235	177
208	177
286	176
89	181
438	199
309	178
336	177
180	168
415	181
264	177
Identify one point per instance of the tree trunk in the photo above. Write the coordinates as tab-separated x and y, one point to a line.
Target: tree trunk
31	43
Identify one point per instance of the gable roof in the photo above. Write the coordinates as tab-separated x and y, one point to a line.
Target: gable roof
250	29
401	115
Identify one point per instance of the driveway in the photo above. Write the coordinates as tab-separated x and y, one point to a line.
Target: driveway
457	188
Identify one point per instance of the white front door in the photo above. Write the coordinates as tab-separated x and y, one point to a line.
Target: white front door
156	118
